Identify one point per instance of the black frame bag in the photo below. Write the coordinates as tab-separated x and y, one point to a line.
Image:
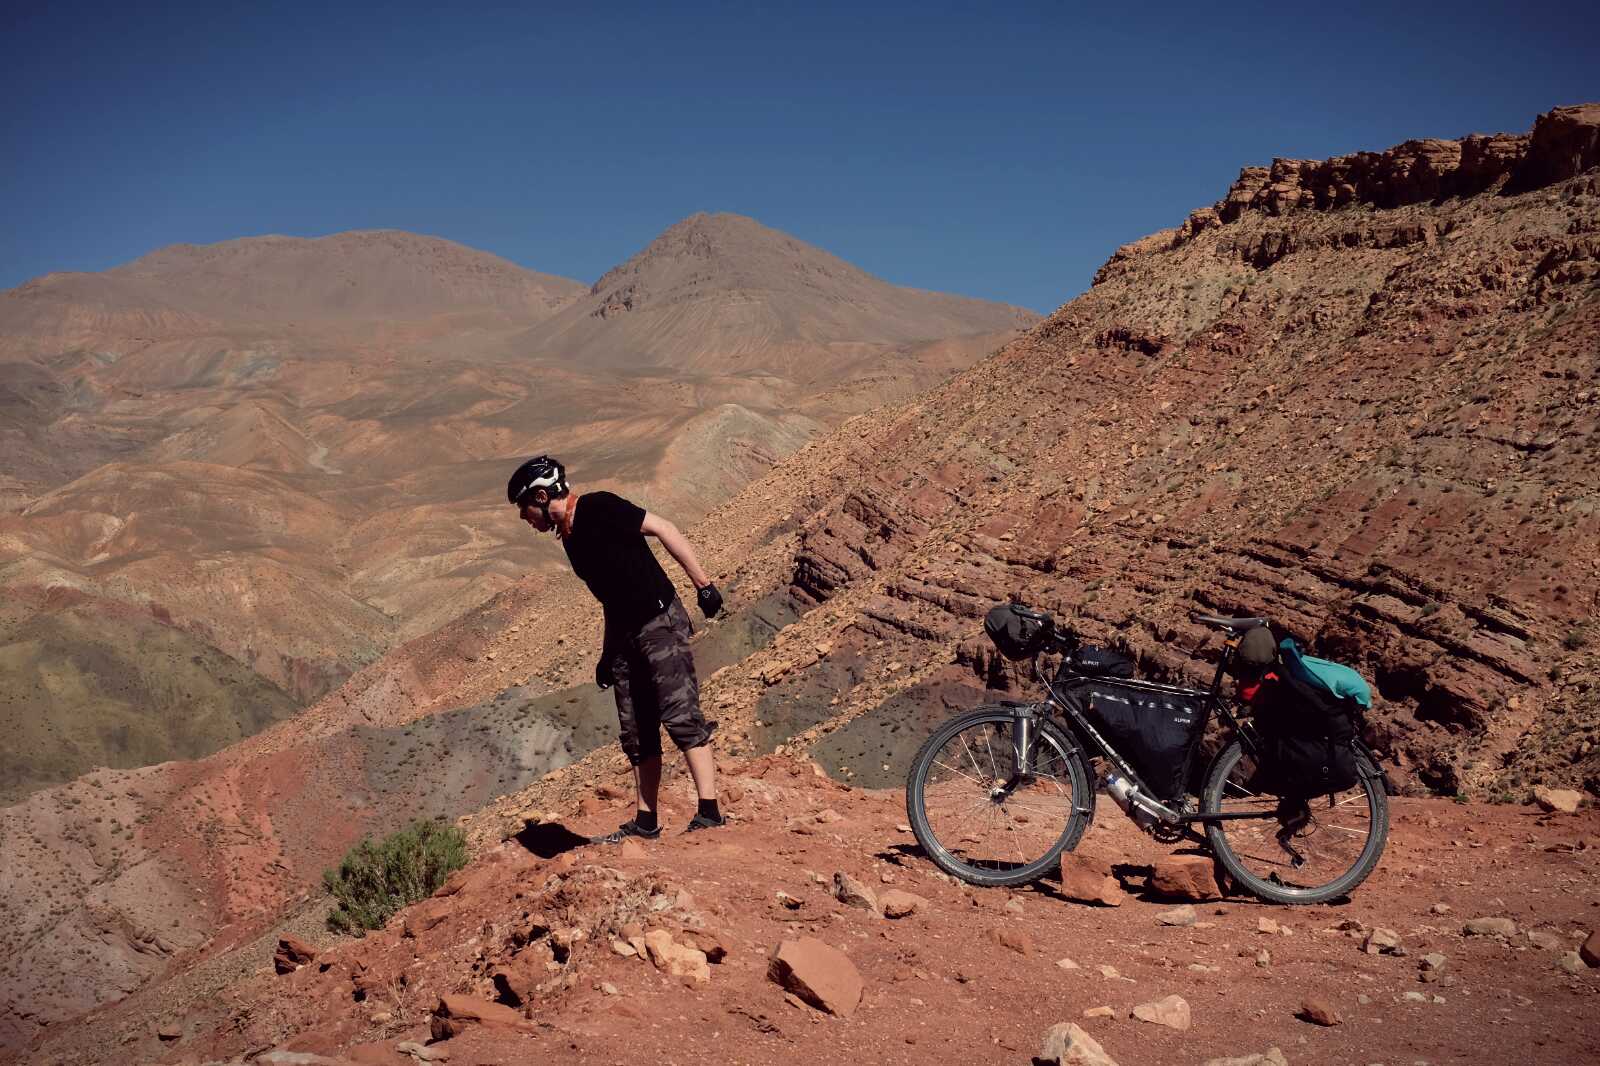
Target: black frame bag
1157	732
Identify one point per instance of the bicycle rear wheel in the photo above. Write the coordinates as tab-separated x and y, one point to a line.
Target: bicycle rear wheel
983	817
1297	852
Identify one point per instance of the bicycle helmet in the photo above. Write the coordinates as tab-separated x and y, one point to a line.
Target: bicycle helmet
540	472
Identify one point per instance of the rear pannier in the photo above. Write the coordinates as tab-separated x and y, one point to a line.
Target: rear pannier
1308	713
1018	632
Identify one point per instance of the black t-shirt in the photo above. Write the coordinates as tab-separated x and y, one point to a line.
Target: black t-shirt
608	551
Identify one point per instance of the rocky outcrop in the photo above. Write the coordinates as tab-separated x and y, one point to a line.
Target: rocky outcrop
1564	143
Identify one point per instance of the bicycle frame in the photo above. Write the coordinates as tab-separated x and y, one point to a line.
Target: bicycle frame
1212	702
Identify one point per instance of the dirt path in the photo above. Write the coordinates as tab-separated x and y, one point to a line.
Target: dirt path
940	984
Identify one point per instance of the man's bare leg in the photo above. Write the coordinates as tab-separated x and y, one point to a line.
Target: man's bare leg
703	768
647	780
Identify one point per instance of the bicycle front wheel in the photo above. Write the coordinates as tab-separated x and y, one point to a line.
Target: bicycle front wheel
984	816
1292	851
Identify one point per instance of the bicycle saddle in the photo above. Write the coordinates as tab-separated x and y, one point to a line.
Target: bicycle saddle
1236	625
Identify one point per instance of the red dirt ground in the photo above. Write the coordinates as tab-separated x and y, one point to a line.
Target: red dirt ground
938	984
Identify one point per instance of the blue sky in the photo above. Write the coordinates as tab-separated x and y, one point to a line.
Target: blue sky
997	151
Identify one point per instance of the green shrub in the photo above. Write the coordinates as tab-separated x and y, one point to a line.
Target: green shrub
375	880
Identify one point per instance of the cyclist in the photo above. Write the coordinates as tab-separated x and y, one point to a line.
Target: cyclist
645	652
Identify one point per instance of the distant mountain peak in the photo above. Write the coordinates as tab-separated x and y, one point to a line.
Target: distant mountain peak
723	291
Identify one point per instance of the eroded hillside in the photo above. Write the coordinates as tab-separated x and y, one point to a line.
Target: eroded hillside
1357	396
290	452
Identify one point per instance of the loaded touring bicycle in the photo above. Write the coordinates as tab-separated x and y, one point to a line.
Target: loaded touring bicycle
1293	804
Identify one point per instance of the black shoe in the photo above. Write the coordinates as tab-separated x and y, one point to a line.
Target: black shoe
702	822
627	829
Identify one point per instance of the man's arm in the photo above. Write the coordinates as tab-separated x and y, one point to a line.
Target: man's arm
677	546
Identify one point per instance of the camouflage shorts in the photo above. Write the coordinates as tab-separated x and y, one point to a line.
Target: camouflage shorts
655	685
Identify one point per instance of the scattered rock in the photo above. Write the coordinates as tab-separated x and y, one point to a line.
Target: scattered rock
1319	1011
1179	916
1170	1011
169	1031
1382	941
1109	972
1545	940
898	903
1013	906
1273	1056
1015	939
1432	967
1085	879
454	1013
1267	925
1501	927
1415	997
1067	964
422	1052
675	959
624	949
425	915
515	983
608	989
1191	877
1099	1012
708	942
1557	800
292	954
631	850
820	975
853	893
1590	951
1440	908
1067	1045
1572	962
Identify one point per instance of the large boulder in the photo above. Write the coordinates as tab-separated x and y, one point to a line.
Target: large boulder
1087	879
1190	877
455	1013
1557	800
823	976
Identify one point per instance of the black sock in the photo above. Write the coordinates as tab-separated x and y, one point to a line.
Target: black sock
708	809
645	820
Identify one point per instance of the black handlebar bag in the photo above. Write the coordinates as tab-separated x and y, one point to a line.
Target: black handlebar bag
1018	632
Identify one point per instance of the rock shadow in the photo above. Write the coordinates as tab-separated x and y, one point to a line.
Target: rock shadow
549	839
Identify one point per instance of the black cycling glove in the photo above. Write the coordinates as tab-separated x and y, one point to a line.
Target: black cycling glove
602	672
710	601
